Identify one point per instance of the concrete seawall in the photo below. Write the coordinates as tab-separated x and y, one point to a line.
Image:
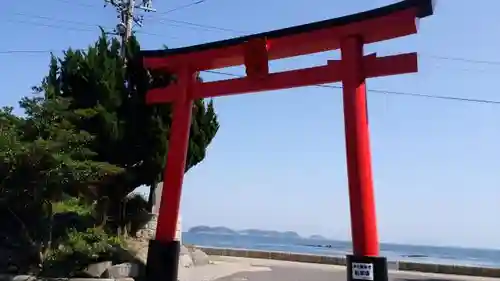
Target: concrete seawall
401	265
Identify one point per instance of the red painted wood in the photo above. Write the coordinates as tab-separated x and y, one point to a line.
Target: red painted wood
374	67
256	58
399	24
352	70
173	174
359	170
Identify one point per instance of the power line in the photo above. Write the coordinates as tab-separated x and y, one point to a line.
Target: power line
178	8
160	19
26	51
126	10
54	19
81	4
48	25
184	24
193	25
207	28
386	92
39	24
202	26
14	52
488	62
182	7
174	9
211	27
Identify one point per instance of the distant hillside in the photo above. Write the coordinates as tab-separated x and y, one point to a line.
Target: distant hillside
269	233
317	237
202	229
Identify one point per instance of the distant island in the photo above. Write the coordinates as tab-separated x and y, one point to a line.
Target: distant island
221	230
317	237
202	229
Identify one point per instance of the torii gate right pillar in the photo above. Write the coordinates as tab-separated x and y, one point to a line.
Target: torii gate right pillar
364	263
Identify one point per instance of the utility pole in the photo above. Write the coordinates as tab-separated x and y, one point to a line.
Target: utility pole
127	17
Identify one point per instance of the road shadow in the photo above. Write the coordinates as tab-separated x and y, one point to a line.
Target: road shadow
422	279
279	273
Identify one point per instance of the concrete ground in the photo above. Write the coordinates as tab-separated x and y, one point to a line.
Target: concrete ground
218	268
243	269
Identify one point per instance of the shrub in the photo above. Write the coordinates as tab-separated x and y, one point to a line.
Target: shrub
78	250
73	205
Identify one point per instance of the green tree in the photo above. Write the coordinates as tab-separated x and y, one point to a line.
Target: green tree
43	158
128	133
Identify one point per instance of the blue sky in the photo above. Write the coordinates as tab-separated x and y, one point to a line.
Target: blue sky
278	161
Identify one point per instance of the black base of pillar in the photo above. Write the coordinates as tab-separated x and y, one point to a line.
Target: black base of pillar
366	268
163	261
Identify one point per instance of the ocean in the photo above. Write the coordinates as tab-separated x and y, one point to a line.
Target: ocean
393	252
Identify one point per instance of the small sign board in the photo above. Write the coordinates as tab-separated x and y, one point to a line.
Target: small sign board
362	271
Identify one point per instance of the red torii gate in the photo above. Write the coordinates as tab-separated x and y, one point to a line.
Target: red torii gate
349	34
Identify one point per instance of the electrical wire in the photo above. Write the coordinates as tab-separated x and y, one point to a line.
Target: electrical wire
169	11
201	26
36	23
54	26
196	25
386	92
159	17
182	7
208	27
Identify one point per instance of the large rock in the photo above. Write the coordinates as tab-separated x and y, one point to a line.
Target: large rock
185	261
184	250
122	270
199	257
8	277
188	257
97	270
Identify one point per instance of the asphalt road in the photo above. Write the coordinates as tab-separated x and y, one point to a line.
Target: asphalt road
289	273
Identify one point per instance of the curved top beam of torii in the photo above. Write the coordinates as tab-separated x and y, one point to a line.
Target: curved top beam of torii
392	21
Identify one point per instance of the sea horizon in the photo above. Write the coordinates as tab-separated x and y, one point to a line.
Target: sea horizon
308	237
393	251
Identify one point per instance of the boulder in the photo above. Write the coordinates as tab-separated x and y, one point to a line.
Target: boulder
122	270
188	256
199	257
17	278
185	261
184	250
98	269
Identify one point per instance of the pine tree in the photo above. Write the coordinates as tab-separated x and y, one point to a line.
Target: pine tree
110	97
44	157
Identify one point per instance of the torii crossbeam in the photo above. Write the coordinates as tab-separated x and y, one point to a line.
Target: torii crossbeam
349	34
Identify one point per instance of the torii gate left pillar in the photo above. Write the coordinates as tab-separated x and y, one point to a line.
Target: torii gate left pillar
348	34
